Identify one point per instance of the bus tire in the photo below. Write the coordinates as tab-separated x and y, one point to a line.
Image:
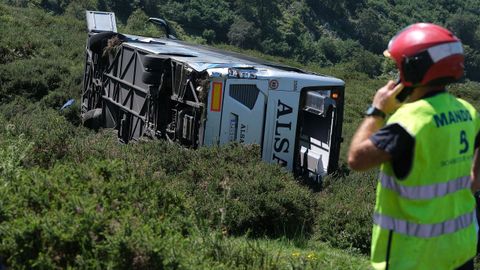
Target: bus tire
92	119
152	63
154	78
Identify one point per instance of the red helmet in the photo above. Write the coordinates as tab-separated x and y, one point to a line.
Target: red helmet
427	54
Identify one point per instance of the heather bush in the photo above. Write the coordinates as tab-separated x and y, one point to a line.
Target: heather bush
244	195
74	198
94	214
345	210
49	132
13	150
229	185
124	206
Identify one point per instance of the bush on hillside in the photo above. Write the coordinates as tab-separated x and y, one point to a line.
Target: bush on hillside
90	215
365	62
242	33
86	211
31	79
13	150
345	208
229	186
50	133
244	195
472	63
468	91
100	215
138	24
78	198
239	194
40	56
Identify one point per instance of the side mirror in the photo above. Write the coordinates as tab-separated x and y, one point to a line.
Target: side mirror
162	23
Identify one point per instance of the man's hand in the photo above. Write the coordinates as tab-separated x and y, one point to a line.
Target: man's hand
363	154
385	98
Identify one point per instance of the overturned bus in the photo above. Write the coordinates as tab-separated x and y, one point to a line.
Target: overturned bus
200	96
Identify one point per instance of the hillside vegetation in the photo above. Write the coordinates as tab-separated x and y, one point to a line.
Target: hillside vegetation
325	33
70	197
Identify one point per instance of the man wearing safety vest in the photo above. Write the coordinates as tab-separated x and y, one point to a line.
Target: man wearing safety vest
428	155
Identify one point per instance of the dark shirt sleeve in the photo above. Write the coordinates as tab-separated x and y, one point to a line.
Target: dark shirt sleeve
396	141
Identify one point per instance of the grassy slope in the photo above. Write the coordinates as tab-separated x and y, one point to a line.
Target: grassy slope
35	47
42	62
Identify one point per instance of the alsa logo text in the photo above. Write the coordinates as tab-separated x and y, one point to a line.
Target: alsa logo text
281	143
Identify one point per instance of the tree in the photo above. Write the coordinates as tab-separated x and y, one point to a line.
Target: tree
464	26
373	31
262	12
122	8
208	35
472	63
243	33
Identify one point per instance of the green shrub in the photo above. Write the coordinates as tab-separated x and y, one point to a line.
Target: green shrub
244	194
100	214
468	91
95	214
137	24
40	54
49	132
345	210
31	79
242	33
73	198
13	150
363	61
241	194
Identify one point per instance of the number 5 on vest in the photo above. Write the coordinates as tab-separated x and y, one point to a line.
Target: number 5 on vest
464	142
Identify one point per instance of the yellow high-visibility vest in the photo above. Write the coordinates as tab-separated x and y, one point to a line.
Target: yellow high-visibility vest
427	220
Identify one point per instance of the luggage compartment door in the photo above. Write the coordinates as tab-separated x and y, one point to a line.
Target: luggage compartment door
243	111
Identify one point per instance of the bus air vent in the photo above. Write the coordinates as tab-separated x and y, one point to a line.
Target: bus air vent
246	94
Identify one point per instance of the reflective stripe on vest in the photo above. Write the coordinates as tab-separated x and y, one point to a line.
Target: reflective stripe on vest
425	192
424	230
